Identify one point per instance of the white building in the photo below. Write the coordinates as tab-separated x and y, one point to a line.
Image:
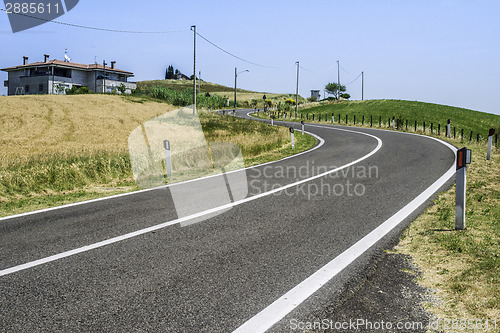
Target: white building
55	76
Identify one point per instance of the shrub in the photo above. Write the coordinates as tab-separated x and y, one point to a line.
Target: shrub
78	90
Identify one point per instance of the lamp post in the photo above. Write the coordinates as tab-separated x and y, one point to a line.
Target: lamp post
297	90
235	78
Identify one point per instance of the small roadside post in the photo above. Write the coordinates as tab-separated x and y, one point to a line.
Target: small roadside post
393	123
302	123
264	98
463	158
291	133
272	120
490	143
448	129
168	158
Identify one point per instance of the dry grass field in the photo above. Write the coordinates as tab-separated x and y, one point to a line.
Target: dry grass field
62	149
34	127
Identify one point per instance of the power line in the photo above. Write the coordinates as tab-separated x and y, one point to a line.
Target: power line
96	28
354	79
235	56
318	72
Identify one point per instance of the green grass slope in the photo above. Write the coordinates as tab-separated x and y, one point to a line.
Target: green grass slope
469	120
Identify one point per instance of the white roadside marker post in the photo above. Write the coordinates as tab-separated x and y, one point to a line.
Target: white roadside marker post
302	123
333	120
463	158
490	143
272	120
291	132
393	123
168	157
448	129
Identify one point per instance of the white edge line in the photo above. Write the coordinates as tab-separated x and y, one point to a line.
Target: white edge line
277	310
321	142
186	218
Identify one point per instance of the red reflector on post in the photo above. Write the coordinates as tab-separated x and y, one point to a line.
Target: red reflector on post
460	159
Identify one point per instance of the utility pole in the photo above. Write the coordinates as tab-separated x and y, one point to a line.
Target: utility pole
362	86
297	90
193	27
104	77
338	80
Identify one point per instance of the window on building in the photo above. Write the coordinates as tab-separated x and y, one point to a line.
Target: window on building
26	88
40	87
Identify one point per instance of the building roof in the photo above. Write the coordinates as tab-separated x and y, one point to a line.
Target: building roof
60	63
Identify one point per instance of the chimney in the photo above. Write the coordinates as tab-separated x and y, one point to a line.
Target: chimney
113	64
25	60
46	58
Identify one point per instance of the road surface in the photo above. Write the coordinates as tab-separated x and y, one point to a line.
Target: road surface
296	248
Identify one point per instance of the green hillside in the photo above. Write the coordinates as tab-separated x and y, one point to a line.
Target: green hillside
469	120
180	85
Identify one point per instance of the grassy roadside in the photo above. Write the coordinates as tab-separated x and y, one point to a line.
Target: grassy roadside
62	149
461	267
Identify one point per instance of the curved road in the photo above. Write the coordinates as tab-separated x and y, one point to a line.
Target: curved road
252	267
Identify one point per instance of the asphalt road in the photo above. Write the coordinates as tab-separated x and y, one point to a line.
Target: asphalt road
214	275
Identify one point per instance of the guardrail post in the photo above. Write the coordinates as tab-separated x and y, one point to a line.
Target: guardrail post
168	157
463	158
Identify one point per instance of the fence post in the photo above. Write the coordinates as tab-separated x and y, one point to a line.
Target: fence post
478	137
371	120
363	120
339	118
380	121
470	138
439	129
354	119
432	128
407	125
415	125
346	121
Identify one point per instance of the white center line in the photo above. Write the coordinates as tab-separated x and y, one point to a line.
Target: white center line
187	218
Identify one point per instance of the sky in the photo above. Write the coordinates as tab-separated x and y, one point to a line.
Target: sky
437	51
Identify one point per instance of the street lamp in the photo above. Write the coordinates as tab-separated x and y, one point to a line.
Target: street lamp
235	77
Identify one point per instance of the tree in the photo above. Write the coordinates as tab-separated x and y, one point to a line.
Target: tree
169	73
333	88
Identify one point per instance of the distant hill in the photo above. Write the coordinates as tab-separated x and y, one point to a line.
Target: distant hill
183	84
214	88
